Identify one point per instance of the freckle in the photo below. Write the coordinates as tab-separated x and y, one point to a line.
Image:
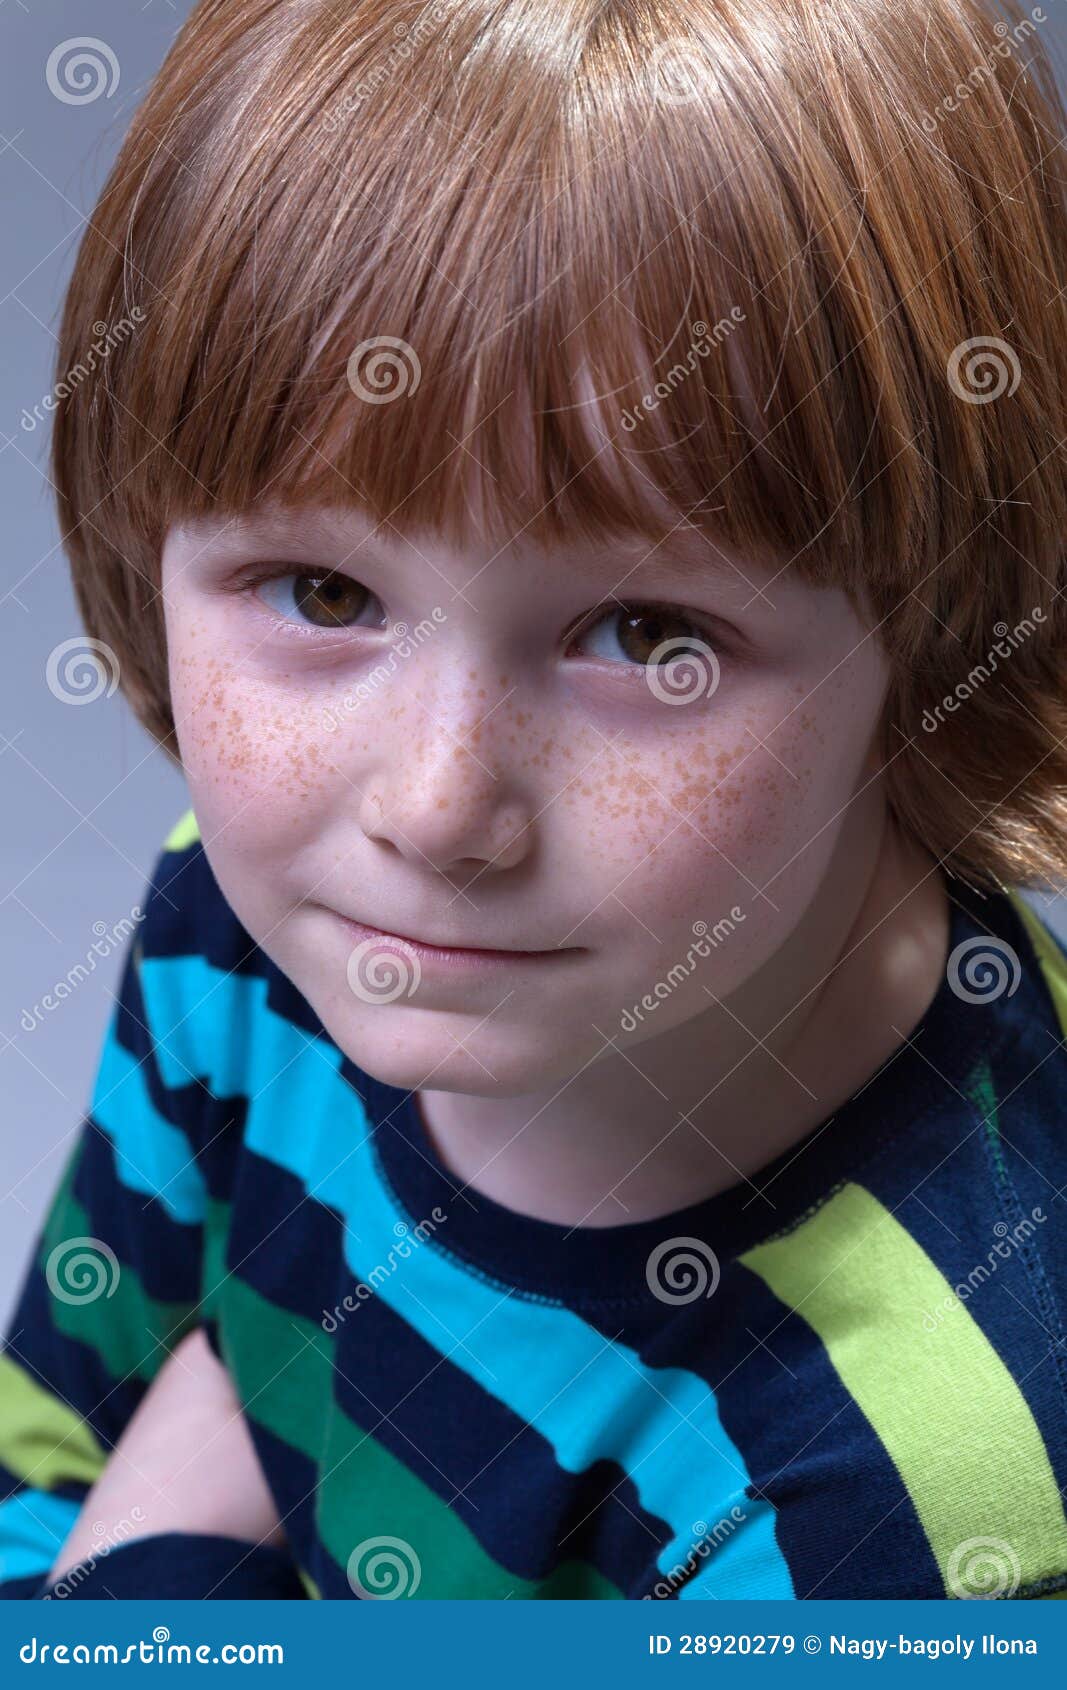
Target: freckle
442	803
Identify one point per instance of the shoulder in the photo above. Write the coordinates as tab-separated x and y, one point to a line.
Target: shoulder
222	1013
976	1220
934	1278
202	973
206	1022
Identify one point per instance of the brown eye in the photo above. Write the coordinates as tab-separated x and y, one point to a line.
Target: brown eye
330	601
310	598
643	632
645	635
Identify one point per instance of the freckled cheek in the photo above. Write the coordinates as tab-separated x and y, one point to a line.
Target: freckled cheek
708	825
245	749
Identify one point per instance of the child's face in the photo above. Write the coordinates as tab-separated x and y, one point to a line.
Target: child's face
480	751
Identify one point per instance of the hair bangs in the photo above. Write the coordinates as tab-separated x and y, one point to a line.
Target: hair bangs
523	300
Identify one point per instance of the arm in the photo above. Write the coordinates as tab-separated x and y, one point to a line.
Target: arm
116	1275
184	1463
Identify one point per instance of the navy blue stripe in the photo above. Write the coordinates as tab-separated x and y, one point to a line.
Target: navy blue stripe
163	1253
844	1520
10	1483
440	1423
72	1370
953	1204
203	924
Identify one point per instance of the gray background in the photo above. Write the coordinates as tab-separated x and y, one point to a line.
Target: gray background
86	797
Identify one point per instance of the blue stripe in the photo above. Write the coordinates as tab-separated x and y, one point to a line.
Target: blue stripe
34	1525
590	1397
152	1156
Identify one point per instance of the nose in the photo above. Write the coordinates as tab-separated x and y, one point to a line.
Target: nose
447	792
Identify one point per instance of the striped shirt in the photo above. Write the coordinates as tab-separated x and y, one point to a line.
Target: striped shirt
845	1378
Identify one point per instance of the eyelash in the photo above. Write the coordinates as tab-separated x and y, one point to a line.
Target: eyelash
705	627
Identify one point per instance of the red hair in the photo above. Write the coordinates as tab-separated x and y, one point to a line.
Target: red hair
752	263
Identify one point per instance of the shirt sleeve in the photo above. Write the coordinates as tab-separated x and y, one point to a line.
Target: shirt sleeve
190	1565
114	1279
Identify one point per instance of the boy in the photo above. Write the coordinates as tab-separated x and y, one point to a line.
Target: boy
586	1069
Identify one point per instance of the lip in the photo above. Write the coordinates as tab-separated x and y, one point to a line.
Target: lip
451	956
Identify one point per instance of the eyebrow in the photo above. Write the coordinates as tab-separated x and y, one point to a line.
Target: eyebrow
692	561
686	555
277	530
261	527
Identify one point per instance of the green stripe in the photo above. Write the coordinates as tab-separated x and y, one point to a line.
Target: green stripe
1049	955
282	1366
949	1413
40	1437
185	832
131	1332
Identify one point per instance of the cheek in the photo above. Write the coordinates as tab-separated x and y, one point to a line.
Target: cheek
252	761
707	822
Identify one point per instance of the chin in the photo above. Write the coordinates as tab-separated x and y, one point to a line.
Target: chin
423	1052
